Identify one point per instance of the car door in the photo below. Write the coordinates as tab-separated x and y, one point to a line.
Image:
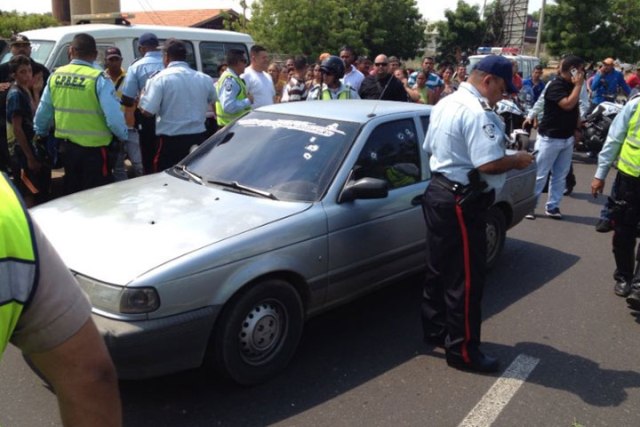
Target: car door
376	240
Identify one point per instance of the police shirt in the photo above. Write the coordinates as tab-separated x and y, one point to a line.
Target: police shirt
180	97
465	133
140	71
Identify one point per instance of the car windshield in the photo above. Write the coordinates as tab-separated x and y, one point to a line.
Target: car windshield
284	157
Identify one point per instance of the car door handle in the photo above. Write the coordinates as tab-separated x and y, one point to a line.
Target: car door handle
417	200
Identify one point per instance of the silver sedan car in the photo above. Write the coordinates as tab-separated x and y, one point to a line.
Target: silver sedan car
287	212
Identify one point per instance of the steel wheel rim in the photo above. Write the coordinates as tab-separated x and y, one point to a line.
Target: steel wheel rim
262	332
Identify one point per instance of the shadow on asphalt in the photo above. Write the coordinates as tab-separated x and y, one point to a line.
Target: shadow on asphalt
339	351
572	373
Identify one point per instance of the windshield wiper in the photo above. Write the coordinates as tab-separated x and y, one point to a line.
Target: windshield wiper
192	176
238	186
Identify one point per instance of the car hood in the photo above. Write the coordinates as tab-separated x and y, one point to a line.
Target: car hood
120	231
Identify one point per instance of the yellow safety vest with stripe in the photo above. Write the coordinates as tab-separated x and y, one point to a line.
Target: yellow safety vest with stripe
78	114
18	268
345	93
226	118
629	161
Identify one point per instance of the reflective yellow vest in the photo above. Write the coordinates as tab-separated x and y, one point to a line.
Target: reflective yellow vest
226	118
78	115
629	161
345	93
17	260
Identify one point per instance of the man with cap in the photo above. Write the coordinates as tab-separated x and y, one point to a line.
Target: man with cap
134	83
82	103
131	148
606	82
179	97
465	142
19	45
556	131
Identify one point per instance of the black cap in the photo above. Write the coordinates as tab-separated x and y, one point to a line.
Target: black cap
19	39
112	52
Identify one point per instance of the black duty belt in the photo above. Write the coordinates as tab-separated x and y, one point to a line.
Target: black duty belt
445	183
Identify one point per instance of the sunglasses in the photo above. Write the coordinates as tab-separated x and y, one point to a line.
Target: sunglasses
381	64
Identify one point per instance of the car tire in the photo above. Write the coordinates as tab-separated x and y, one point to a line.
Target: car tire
496	234
258	332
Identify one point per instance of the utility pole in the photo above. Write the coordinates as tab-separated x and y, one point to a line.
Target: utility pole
540	24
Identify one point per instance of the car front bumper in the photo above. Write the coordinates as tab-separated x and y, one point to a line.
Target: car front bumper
150	348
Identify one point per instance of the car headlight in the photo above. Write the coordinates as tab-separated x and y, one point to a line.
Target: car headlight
119	299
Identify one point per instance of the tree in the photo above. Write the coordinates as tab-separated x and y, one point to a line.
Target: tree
394	27
593	29
463	31
495	19
14	22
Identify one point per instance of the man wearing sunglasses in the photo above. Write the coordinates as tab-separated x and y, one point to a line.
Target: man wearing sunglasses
383	85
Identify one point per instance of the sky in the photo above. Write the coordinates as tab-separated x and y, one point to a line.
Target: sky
432	10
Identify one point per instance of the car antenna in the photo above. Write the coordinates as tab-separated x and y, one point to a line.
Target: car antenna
373	111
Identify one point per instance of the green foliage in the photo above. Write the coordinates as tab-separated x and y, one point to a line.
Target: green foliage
15	22
393	27
463	31
593	29
495	18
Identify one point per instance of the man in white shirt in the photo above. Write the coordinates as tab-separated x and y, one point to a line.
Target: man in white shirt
259	83
352	76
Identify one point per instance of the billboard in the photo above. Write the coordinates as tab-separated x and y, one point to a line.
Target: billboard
531	30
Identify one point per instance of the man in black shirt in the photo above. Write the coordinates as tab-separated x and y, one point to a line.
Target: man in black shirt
20	45
560	122
382	85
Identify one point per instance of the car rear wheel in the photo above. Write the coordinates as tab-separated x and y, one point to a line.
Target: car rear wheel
258	332
496	233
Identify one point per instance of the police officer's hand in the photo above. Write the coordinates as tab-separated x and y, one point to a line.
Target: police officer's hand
523	159
597	185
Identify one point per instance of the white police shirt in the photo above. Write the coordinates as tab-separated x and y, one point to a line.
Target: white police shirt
465	133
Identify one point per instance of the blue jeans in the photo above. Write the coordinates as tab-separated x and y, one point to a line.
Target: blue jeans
130	148
554	155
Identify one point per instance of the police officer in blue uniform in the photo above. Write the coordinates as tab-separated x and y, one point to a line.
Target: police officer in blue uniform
137	75
233	99
468	161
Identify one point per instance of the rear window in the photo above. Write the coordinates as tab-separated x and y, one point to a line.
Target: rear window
213	55
191	58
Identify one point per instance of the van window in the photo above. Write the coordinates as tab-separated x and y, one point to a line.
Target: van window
63	56
213	54
191	58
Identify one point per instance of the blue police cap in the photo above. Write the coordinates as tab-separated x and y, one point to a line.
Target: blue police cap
499	66
148	39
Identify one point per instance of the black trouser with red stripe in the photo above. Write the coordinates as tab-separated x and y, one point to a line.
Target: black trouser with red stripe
171	149
84	167
456	259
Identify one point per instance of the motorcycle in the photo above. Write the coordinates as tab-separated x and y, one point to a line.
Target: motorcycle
596	126
513	112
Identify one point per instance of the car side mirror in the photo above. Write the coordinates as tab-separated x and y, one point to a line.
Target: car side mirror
365	188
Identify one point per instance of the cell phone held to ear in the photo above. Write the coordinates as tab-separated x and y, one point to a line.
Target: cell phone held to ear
574	72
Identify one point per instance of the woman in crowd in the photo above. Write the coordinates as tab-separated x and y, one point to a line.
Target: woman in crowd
450	85
425	95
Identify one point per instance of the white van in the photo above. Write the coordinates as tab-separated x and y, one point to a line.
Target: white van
525	63
206	49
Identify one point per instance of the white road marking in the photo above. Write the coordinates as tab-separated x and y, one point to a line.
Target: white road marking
499	395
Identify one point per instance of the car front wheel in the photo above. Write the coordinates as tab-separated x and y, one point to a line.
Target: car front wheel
258	332
496	233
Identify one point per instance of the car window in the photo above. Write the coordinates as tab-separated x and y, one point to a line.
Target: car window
293	158
213	55
424	120
63	56
391	153
191	58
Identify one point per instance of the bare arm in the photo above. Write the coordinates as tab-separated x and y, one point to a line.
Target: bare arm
32	162
84	378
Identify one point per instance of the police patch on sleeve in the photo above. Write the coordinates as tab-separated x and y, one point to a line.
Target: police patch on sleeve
228	85
490	130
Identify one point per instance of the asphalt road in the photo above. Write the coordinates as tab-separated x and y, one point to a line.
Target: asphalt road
364	364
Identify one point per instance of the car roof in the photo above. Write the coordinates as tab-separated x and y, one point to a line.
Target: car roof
350	110
114	31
